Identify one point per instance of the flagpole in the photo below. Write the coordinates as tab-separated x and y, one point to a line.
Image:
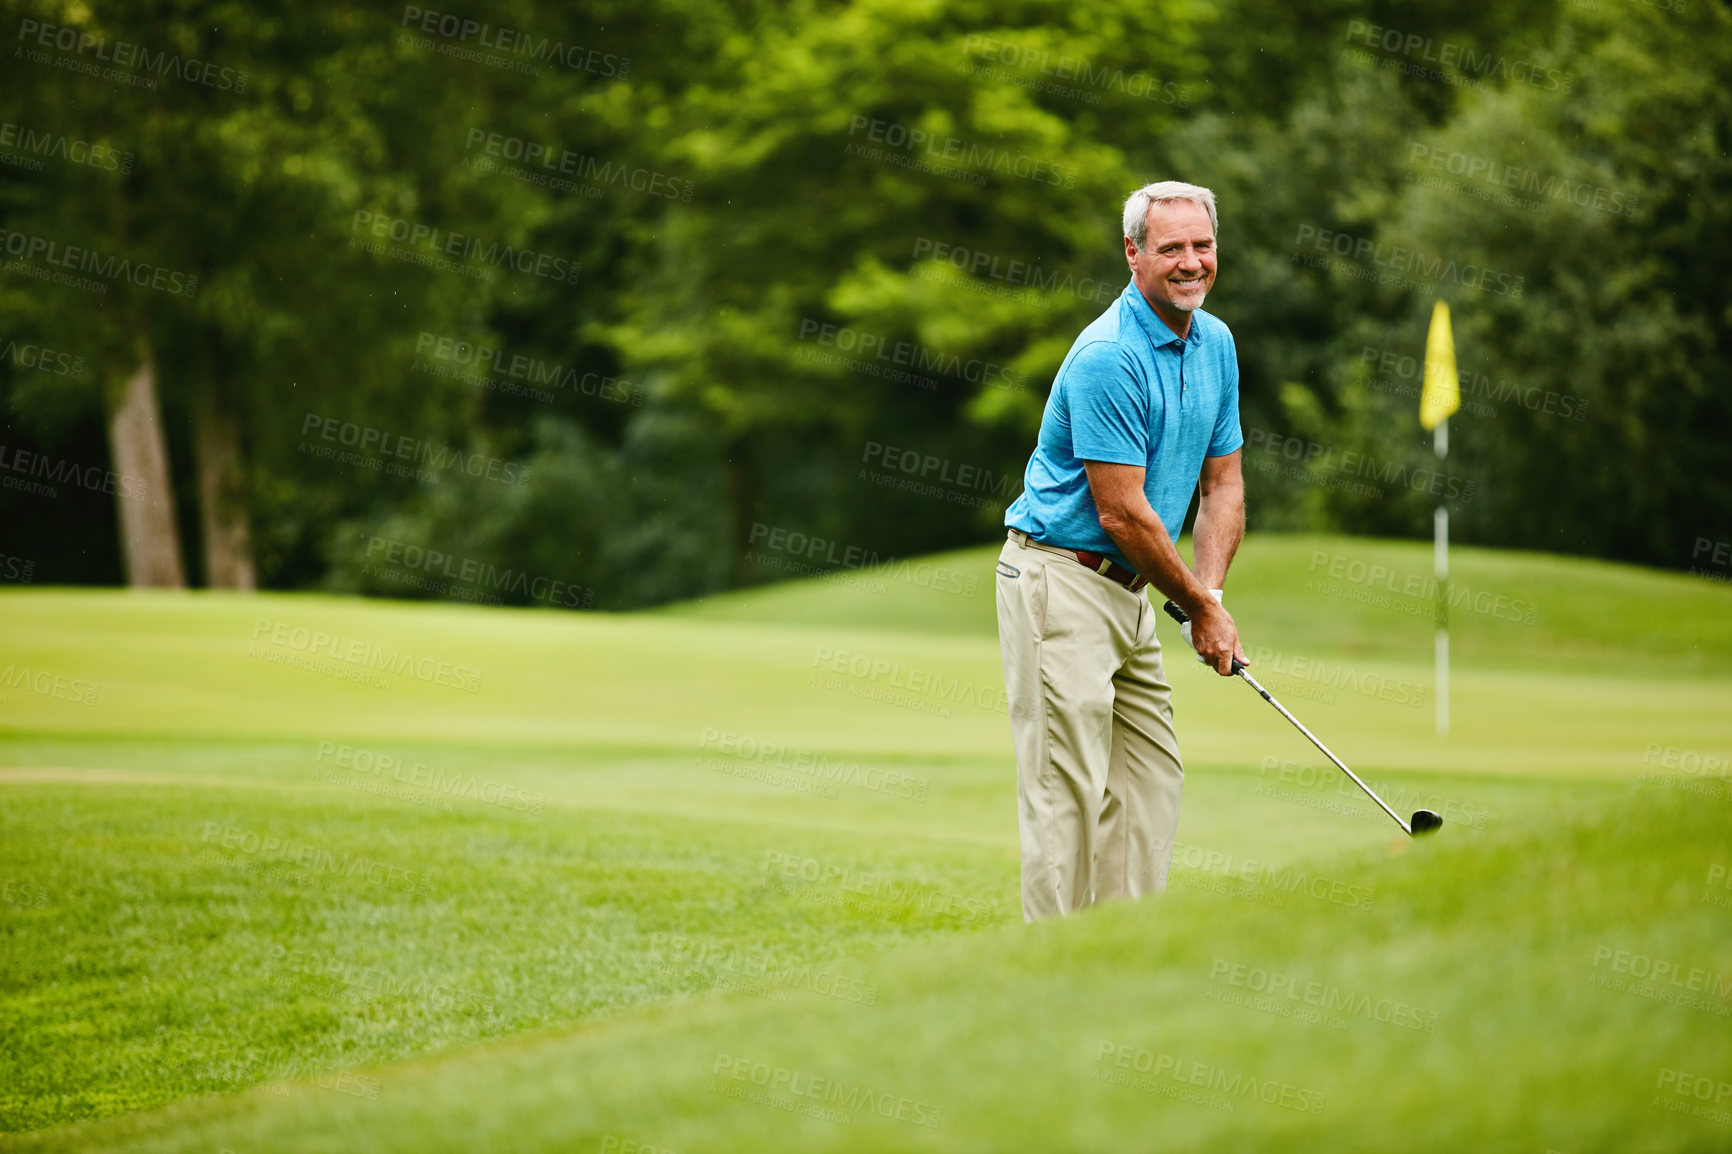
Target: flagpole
1440	562
1440	396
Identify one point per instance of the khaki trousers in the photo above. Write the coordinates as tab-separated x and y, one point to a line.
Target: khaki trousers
1097	764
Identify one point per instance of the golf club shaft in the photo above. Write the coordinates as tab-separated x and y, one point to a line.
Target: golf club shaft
1178	615
1339	764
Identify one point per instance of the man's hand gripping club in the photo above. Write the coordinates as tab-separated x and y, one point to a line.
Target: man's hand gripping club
1135	528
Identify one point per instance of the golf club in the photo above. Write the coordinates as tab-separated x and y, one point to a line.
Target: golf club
1424	821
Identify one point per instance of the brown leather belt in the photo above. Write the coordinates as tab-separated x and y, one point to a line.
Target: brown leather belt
1099	562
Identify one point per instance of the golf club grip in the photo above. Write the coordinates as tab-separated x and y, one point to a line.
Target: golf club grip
1177	614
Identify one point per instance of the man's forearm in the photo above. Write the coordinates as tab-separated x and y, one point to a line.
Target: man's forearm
1144	541
1219	529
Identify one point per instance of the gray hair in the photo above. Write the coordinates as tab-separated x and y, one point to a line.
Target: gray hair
1160	192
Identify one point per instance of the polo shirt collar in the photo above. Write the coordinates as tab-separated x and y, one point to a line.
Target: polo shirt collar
1159	334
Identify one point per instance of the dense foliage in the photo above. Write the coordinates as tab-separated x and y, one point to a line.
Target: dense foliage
614	305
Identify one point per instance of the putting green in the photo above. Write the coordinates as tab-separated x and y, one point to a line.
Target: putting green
289	872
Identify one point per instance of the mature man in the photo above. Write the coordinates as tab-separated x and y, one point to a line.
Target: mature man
1144	407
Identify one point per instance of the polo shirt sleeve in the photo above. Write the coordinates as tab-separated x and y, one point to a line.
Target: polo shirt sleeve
1227	437
1109	406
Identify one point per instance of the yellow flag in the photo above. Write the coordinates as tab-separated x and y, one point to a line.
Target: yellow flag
1441	395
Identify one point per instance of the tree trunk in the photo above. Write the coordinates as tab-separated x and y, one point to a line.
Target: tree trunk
228	548
144	495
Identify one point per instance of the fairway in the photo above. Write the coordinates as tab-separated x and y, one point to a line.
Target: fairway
295	872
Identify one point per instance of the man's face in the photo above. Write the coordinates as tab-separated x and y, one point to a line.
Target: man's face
1176	265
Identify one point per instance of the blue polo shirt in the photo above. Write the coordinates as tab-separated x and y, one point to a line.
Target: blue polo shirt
1130	393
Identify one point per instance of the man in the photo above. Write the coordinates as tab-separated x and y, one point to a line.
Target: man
1144	407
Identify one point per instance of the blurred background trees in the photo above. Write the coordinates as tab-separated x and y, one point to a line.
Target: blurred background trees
677	271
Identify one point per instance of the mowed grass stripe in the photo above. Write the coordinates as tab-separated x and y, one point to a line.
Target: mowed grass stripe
172	941
1493	949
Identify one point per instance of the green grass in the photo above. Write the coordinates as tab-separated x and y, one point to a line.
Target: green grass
565	906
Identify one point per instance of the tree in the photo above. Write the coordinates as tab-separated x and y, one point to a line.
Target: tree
235	149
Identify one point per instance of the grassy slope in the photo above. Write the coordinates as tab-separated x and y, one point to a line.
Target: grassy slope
1495	936
606	715
1586	612
167	961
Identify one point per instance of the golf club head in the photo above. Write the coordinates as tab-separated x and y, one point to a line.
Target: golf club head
1424	822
